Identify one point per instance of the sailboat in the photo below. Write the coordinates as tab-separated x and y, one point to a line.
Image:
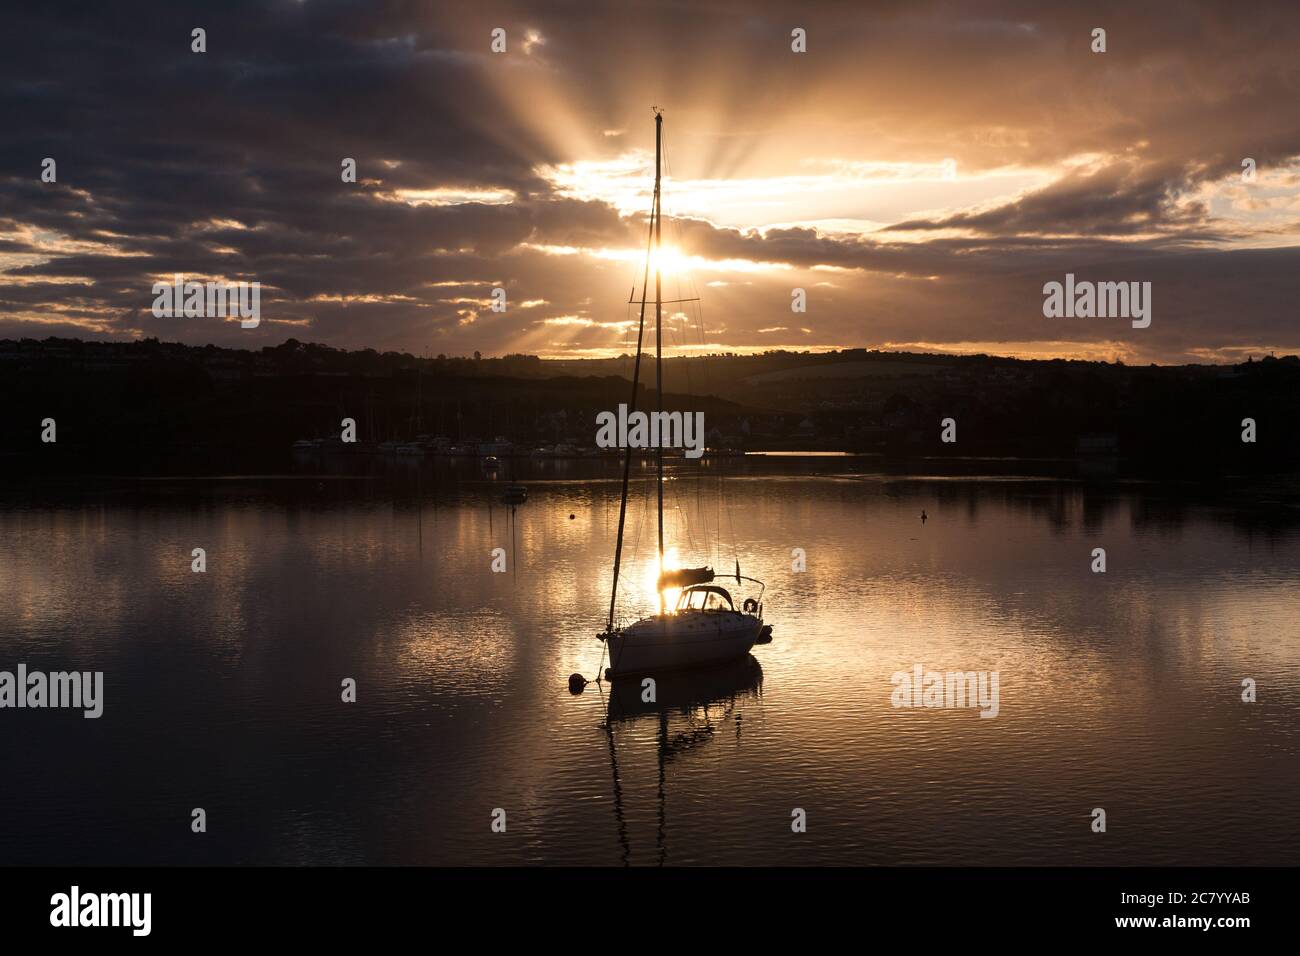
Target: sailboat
705	628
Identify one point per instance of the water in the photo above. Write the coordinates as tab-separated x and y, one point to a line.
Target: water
1118	690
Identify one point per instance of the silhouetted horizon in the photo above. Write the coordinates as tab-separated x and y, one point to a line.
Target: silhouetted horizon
153	407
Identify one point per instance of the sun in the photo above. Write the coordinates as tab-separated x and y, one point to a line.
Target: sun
668	260
650	579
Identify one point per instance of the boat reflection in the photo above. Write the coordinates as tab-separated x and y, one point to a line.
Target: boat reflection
687	691
701	702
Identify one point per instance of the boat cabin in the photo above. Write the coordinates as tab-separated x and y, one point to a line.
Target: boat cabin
705	597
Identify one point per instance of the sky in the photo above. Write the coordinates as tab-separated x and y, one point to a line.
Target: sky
920	171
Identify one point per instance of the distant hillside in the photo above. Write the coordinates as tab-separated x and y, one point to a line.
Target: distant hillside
846	369
151	407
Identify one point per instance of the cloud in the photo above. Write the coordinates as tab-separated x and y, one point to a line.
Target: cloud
1121	165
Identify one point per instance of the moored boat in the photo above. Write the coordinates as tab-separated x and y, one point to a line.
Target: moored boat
704	628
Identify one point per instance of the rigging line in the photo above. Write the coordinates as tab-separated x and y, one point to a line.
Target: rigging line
709	367
722	475
708	376
707	381
731	524
657	225
644	520
690	538
684	358
627	335
699	501
676	234
636	374
693	292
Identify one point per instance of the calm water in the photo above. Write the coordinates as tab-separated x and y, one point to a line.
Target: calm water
1118	690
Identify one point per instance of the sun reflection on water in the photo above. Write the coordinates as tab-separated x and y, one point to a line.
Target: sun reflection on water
650	580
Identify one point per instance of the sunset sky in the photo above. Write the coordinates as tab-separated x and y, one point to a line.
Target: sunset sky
531	170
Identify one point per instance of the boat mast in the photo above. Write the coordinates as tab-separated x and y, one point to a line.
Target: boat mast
659	351
636	376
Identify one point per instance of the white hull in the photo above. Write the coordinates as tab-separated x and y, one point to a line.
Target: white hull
686	639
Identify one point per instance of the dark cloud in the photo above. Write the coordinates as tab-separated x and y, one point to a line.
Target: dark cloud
227	163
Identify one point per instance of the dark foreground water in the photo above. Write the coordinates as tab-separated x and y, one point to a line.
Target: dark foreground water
1119	690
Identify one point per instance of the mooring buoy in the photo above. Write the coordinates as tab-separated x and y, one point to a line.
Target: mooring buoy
577	683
